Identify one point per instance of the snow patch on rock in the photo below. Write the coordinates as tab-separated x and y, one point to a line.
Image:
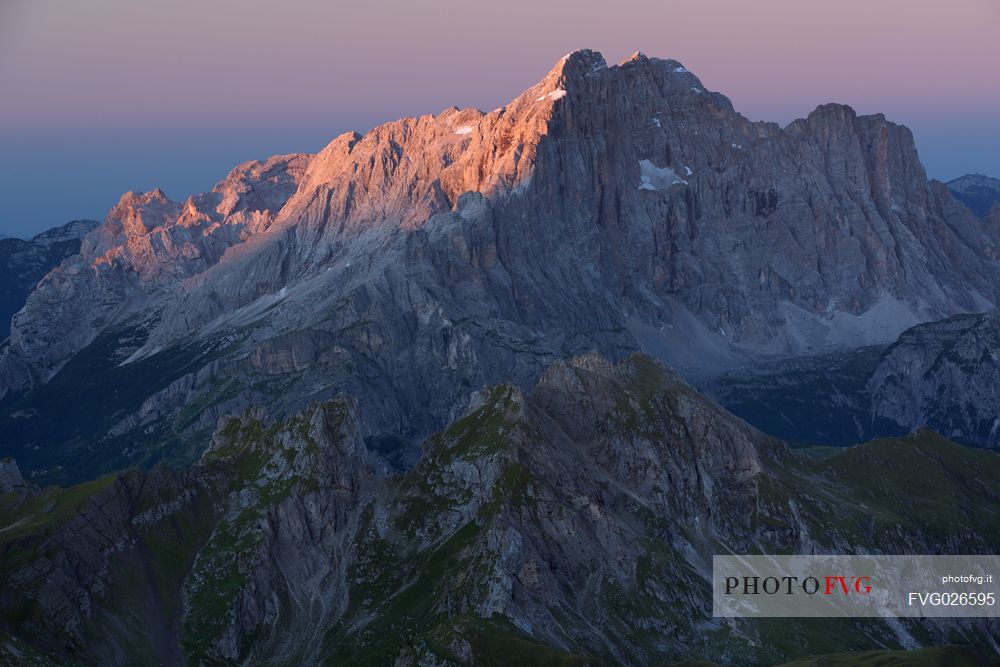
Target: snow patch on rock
652	177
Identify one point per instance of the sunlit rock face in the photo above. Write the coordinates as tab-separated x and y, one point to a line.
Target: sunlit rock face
605	208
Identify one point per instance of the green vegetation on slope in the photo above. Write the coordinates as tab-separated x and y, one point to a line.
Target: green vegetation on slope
614	521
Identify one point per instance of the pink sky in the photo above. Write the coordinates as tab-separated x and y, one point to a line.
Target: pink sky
107	69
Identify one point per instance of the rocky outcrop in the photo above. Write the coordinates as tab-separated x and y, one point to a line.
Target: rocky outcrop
945	375
575	519
606	208
11	480
285	545
24	263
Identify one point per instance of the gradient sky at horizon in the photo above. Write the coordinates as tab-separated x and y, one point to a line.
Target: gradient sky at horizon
105	96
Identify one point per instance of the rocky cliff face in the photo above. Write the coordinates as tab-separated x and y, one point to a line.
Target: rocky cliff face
945	375
574	522
608	208
24	263
206	565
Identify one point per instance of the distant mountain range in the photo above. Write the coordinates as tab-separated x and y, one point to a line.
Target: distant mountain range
980	193
606	208
414	397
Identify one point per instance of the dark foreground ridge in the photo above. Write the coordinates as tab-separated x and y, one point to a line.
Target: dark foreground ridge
573	524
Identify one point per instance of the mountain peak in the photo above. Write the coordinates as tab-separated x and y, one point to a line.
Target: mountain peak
138	212
963	183
138	198
72	230
977	191
584	57
833	109
574	66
